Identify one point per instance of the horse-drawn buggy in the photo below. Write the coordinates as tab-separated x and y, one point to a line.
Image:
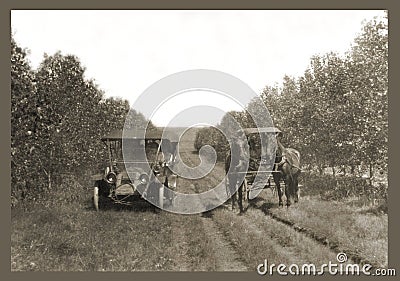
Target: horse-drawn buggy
138	166
268	160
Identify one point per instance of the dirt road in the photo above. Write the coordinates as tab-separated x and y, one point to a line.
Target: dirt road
234	237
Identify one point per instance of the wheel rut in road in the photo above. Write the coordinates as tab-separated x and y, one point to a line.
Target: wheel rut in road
227	258
222	241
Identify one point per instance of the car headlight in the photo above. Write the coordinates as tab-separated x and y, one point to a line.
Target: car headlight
111	178
144	178
157	168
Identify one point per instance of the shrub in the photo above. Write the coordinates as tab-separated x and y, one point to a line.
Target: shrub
337	188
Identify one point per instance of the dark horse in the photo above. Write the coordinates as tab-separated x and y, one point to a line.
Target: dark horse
238	168
288	164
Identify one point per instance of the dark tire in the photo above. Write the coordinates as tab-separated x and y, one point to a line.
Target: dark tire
242	192
96	198
169	194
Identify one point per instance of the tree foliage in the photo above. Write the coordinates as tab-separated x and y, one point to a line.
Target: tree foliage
336	113
23	114
57	120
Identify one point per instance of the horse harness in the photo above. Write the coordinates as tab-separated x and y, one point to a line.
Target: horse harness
278	165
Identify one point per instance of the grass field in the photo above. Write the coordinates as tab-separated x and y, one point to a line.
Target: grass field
64	233
346	228
62	238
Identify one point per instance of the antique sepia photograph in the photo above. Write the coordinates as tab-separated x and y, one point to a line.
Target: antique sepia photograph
200	140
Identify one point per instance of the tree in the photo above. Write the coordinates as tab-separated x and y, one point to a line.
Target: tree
23	113
58	118
368	67
326	117
67	109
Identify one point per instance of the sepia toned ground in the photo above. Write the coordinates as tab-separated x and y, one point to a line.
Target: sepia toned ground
66	234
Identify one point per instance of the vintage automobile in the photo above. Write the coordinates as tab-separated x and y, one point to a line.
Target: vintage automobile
138	166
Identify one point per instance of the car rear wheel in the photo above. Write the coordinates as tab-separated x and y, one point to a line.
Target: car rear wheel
96	198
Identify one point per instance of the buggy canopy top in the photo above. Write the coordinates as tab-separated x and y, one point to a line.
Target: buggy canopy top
136	133
249	131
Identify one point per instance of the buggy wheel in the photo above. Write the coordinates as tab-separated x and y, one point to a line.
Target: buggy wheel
246	190
242	195
96	198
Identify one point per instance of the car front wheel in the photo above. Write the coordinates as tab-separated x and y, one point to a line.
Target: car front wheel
96	198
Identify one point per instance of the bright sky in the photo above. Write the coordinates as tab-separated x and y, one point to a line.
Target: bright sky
127	51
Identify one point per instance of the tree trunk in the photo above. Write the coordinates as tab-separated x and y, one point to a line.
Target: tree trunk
321	171
48	174
353	169
49	181
371	173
